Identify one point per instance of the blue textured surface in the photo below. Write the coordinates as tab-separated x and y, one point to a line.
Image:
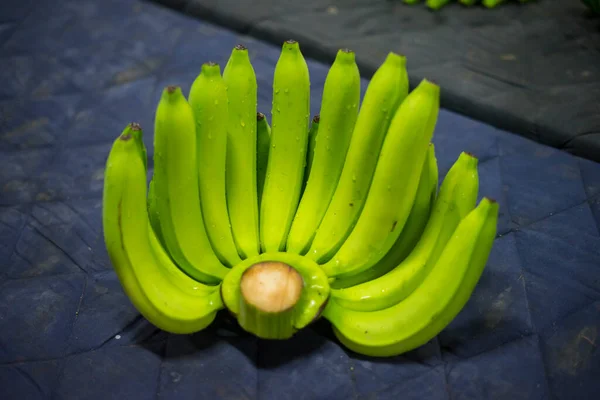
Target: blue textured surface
74	73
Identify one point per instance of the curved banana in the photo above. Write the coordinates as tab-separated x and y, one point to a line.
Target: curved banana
263	140
339	110
434	304
395	181
312	141
287	155
415	225
457	198
385	92
241	179
175	181
161	292
209	102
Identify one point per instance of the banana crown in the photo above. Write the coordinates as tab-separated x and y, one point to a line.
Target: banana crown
286	218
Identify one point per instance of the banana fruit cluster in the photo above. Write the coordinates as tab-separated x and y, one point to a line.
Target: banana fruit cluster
336	216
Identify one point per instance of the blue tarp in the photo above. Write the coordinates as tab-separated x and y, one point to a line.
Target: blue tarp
74	73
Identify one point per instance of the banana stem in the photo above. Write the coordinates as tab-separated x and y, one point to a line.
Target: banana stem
269	293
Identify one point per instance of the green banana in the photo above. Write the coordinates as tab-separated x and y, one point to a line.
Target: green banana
241	171
436	4
263	140
339	110
287	155
434	304
176	181
385	92
492	3
161	292
395	180
457	198
415	224
312	141
209	102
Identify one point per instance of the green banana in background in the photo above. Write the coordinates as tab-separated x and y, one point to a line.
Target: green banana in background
386	90
175	182
395	181
339	110
263	141
241	170
209	102
287	155
422	315
159	290
415	224
458	195
437	4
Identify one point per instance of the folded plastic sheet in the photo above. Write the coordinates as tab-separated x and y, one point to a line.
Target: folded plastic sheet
74	73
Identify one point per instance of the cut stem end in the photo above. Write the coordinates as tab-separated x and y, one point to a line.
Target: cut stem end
269	293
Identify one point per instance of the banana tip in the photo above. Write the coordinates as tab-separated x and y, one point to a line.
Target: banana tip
172	88
135	126
241	47
316	119
291	41
260	116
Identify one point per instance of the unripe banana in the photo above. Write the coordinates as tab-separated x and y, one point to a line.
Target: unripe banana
209	102
385	92
176	185
287	155
415	225
242	201
263	140
434	304
436	4
492	3
339	111
159	290
395	182
457	198
312	141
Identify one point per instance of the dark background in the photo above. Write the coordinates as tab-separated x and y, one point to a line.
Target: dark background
74	73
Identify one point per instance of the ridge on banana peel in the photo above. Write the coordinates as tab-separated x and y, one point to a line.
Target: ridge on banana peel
282	220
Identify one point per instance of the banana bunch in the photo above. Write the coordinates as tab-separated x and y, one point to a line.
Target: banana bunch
336	216
437	4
